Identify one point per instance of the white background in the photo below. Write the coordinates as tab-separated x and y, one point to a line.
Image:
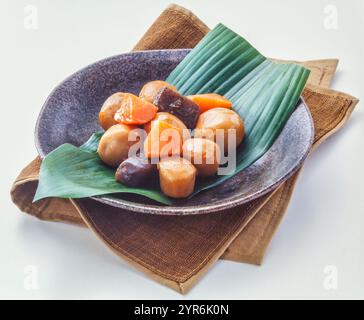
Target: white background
325	220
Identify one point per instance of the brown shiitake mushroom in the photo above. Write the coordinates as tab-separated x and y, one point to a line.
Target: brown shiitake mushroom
172	102
150	89
204	154
109	108
177	177
135	171
210	122
115	144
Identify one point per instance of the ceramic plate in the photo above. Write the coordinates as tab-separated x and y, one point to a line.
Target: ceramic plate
70	115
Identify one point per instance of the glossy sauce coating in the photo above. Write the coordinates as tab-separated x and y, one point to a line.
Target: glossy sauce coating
204	155
135	171
150	89
115	144
213	121
109	108
183	108
177	177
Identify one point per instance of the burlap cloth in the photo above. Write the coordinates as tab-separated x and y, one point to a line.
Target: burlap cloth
176	251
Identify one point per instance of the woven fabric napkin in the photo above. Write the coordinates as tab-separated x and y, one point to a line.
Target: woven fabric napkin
178	250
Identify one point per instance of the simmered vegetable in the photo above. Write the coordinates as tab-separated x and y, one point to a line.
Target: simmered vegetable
204	154
135	171
183	108
209	101
150	89
115	144
264	94
214	121
134	110
177	177
163	140
109	108
170	119
169	141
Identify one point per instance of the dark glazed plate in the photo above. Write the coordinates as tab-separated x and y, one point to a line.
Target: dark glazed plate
71	111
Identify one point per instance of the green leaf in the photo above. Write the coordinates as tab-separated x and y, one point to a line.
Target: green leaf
92	143
71	172
263	92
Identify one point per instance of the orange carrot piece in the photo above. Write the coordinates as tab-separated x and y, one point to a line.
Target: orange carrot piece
134	110
163	140
209	101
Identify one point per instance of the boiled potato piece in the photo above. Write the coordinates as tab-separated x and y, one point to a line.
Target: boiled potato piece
177	177
150	89
109	108
213	120
170	119
115	144
204	154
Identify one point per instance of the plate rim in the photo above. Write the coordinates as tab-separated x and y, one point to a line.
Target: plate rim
131	206
135	207
37	143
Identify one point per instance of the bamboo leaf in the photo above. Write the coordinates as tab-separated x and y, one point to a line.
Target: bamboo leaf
263	92
71	172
